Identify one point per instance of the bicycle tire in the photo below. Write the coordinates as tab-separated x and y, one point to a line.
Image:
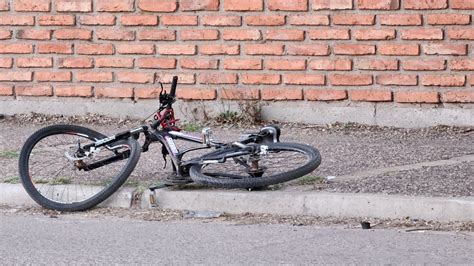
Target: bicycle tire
198	173
33	182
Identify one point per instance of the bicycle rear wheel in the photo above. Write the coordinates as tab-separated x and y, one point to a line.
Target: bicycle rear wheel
58	174
282	162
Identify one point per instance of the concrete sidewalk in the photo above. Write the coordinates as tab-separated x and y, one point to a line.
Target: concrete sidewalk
322	204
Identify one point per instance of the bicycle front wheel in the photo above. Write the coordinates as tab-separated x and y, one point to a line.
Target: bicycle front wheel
280	163
60	175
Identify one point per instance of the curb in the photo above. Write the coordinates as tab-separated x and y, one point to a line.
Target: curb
341	205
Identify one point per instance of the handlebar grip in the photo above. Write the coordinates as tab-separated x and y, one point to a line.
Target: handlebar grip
173	86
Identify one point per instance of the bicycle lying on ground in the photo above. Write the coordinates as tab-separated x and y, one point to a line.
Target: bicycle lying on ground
74	168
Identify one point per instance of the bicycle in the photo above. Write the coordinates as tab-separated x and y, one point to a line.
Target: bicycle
74	168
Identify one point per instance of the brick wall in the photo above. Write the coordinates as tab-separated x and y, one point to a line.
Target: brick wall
399	51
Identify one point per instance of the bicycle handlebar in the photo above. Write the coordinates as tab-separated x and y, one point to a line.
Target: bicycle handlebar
173	86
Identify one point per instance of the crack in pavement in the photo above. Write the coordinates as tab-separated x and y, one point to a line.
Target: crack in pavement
406	167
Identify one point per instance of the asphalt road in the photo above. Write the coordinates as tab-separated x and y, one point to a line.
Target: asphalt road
33	239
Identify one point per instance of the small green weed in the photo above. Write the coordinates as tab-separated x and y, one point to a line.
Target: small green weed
309	180
9	154
12	180
191	127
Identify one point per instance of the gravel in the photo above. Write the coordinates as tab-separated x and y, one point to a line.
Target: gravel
345	149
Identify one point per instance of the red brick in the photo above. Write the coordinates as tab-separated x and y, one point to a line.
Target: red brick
243	5
309	20
422	34
99	20
114	62
444	80
199	34
397	79
219	49
378	4
6	62
428	4
201	5
462	64
114	5
449	19
374	34
332	4
325	95
284	35
197	94
329	34
34	62
57	20
191	63
458	96
184	78
182	20
308	49
73	91
378	65
16	48
6	90
32	6
304	79
424	65
243	64
95	49
371	95
462	4
354	49
54	48
351	19
33	90
16	20
264	49
445	49
135	48
285	5
177	49
5	34
461	34
158	5
265	20
221	20
115	34
93	76
241	35
285	64
147	93
157	35
75	62
279	94
416	97
16	76
259	79
240	94
217	78
4	5
73	5
34	34
52	76
350	79
135	77
113	92
399	49
139	20
400	19
331	64
157	63
73	34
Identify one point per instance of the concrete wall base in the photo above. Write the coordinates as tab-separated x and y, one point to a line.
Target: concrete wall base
382	114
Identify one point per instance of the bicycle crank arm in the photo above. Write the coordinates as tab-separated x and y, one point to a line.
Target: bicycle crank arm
104	162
